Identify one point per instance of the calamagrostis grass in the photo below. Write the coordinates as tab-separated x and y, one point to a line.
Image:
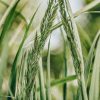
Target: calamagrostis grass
34	54
74	42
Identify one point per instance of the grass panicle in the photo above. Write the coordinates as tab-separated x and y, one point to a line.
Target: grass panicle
14	66
30	67
74	43
34	54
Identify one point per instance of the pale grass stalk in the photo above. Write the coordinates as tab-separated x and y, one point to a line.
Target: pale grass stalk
87	8
48	90
79	50
41	76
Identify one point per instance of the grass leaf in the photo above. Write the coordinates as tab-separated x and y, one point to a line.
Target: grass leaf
90	58
13	70
48	90
74	43
95	80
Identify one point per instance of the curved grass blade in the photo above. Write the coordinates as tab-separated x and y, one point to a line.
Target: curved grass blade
9	11
17	12
74	43
85	41
13	70
8	22
95	80
4	38
90	58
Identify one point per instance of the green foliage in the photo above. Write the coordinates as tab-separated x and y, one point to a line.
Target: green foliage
29	78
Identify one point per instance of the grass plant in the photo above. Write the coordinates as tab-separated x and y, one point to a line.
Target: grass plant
28	77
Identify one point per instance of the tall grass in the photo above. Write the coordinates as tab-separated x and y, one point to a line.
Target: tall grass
74	43
35	54
27	79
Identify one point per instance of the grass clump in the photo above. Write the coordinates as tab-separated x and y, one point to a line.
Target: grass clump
29	79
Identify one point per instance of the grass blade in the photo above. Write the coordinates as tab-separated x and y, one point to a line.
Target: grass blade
48	92
35	52
95	82
87	8
8	22
4	38
11	7
62	81
90	58
65	73
41	81
74	43
17	12
65	66
3	61
13	70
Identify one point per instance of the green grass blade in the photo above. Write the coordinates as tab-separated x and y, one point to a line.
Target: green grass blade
17	12
47	21
41	81
95	80
74	43
3	61
9	11
65	74
85	40
8	22
65	66
91	56
13	70
35	52
48	91
61	81
4	38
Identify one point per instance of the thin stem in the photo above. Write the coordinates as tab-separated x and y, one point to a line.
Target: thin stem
65	74
65	67
41	79
61	81
48	73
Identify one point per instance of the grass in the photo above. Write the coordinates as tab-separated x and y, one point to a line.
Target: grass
29	79
94	91
74	43
48	93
